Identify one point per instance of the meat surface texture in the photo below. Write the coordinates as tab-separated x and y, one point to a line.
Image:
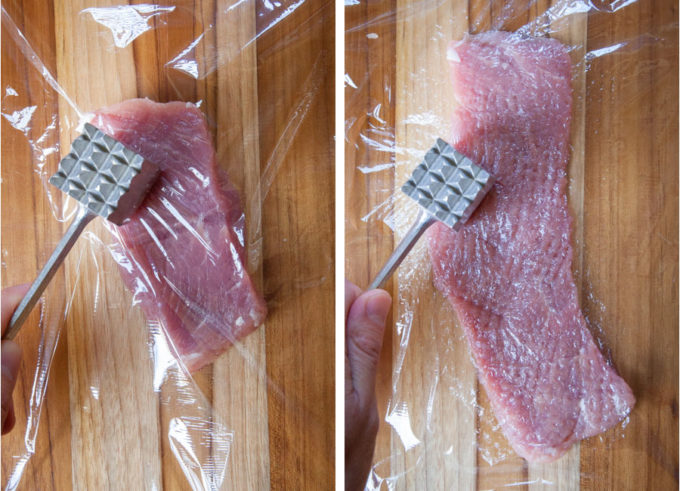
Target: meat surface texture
184	256
507	272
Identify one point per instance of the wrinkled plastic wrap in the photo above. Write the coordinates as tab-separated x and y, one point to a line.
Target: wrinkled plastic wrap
130	373
439	430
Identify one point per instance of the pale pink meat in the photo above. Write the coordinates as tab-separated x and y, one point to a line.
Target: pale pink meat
184	248
507	272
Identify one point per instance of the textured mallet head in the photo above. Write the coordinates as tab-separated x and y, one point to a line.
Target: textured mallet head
448	185
105	176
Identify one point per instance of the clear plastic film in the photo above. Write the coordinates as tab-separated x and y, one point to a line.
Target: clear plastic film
161	379
439	428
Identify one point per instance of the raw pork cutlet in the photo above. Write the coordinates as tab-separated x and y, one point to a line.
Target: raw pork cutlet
185	255
507	272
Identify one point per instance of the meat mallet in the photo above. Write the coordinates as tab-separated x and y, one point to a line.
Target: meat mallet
448	186
107	179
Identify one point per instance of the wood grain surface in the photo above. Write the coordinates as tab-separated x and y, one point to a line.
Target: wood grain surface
264	82
623	195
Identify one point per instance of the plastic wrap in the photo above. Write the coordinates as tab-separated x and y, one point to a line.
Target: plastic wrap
439	430
138	417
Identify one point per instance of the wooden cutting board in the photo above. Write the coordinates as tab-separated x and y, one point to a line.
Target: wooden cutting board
267	102
623	179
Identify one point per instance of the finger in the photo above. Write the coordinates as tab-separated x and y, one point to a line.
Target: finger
11	358
11	297
365	329
8	424
351	293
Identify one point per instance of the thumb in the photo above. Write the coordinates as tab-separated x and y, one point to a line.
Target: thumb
365	329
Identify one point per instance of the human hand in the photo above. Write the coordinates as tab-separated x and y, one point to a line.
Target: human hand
11	354
365	315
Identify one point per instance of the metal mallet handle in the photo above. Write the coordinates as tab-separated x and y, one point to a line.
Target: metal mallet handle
423	221
65	244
